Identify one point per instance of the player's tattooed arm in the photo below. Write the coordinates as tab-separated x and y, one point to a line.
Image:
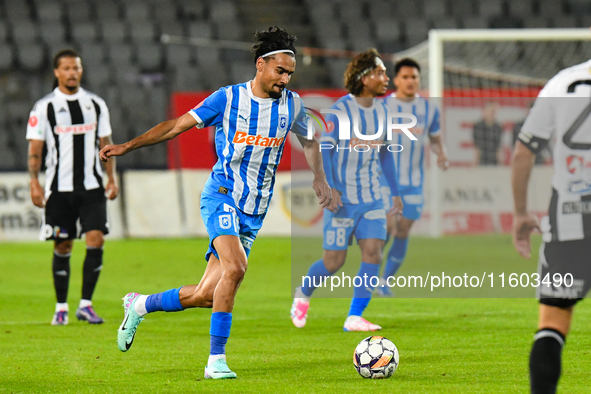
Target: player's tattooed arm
34	161
112	188
162	132
524	223
314	159
34	165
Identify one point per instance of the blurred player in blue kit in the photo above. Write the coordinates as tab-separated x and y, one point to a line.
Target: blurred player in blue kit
252	120
353	169
409	161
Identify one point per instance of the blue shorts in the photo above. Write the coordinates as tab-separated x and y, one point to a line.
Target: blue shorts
360	220
411	197
221	217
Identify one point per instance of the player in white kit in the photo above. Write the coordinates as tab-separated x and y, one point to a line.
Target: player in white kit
562	111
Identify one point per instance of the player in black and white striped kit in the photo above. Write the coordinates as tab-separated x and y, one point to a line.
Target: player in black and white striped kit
73	124
562	111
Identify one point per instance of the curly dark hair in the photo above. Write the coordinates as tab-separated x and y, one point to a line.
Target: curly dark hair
358	67
63	53
274	39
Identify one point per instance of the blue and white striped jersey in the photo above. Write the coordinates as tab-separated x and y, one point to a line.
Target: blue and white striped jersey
409	161
249	140
353	166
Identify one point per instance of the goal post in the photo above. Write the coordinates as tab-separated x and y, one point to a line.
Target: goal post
438	37
437	65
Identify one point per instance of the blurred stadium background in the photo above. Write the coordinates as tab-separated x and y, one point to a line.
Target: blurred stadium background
447	345
142	77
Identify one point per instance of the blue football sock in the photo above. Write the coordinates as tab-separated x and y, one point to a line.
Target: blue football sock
316	273
395	257
167	301
219	332
362	294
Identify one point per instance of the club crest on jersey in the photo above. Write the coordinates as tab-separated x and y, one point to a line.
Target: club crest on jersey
33	121
225	221
282	122
330	237
574	164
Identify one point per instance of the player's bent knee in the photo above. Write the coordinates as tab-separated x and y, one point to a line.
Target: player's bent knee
403	228
372	257
371	250
95	239
334	259
557	316
63	247
235	272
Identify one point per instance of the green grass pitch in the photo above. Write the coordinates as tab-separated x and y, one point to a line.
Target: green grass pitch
446	345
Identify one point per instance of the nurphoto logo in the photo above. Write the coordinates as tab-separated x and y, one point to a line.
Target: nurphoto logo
359	142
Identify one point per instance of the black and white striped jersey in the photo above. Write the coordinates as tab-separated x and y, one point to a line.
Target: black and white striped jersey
71	126
562	110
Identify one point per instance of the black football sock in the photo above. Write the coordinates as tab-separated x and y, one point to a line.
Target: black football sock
545	361
92	269
61	275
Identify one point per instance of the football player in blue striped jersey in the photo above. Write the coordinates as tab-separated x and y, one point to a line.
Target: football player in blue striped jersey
409	161
353	168
252	120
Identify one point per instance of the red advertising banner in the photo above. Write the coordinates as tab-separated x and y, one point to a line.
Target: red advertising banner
186	151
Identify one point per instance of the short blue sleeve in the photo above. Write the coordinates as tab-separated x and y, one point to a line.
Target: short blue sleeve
210	112
300	126
434	126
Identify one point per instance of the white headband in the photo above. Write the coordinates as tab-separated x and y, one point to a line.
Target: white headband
378	62
278	51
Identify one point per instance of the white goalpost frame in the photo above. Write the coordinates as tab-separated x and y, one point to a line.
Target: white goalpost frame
436	40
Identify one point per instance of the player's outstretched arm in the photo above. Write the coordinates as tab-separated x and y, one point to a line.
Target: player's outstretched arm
162	132
314	159
524	223
34	164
